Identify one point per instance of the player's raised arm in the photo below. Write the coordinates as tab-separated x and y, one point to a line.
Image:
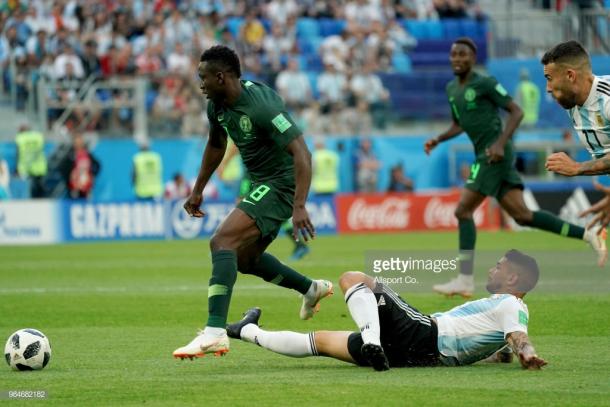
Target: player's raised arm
451	132
302	178
211	159
523	348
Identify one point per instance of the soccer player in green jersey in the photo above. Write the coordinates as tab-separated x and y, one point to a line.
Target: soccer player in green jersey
279	165
474	101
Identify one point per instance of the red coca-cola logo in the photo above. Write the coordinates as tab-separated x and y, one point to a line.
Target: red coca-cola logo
440	214
391	213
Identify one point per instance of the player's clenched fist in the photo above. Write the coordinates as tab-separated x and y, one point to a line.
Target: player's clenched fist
562	164
193	204
430	144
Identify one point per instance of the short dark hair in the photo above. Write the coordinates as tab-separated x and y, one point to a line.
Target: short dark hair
224	56
526	267
468	42
566	52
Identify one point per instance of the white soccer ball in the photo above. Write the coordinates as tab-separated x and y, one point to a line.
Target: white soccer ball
27	349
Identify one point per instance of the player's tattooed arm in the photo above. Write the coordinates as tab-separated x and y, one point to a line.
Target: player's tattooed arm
562	164
595	167
523	348
505	355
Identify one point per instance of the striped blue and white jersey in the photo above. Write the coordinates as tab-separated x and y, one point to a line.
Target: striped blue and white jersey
592	119
477	329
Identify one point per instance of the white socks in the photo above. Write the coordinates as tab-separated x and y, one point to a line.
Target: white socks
466	278
286	343
215	332
362	305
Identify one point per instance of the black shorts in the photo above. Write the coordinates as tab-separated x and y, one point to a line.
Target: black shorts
408	337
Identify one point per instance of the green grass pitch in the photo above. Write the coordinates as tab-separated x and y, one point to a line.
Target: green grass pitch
114	312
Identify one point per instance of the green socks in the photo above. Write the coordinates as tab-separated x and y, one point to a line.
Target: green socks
224	274
468	238
274	271
547	221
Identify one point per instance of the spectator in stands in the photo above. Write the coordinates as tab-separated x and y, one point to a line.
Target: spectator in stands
360	15
178	62
320	8
527	96
193	120
358	51
5	179
90	60
293	86
153	37
451	8
147	174
177	30
277	47
37	48
167	109
368	88
21	79
380	47
177	188
402	39
31	159
79	169
332	87
68	57
399	182
60	41
335	50
149	62
278	11
367	168
38	22
252	33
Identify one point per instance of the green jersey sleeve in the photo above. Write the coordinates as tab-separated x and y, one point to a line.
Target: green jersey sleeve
279	125
496	92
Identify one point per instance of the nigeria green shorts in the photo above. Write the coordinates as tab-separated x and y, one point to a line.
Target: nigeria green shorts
270	205
494	179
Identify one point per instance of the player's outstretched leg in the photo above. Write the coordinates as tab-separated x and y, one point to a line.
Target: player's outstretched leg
272	270
463	284
287	343
237	230
251	316
213	339
362	306
514	204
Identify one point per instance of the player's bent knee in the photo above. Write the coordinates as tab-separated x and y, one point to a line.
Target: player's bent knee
222	242
351	278
523	218
462	213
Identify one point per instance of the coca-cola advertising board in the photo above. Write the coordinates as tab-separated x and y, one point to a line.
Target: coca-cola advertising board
406	212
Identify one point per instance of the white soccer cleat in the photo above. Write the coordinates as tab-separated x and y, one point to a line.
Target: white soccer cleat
457	286
202	345
597	241
311	304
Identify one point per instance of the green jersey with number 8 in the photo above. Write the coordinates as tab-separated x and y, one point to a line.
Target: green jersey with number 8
261	129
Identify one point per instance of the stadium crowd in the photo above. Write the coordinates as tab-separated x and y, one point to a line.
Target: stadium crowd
66	42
